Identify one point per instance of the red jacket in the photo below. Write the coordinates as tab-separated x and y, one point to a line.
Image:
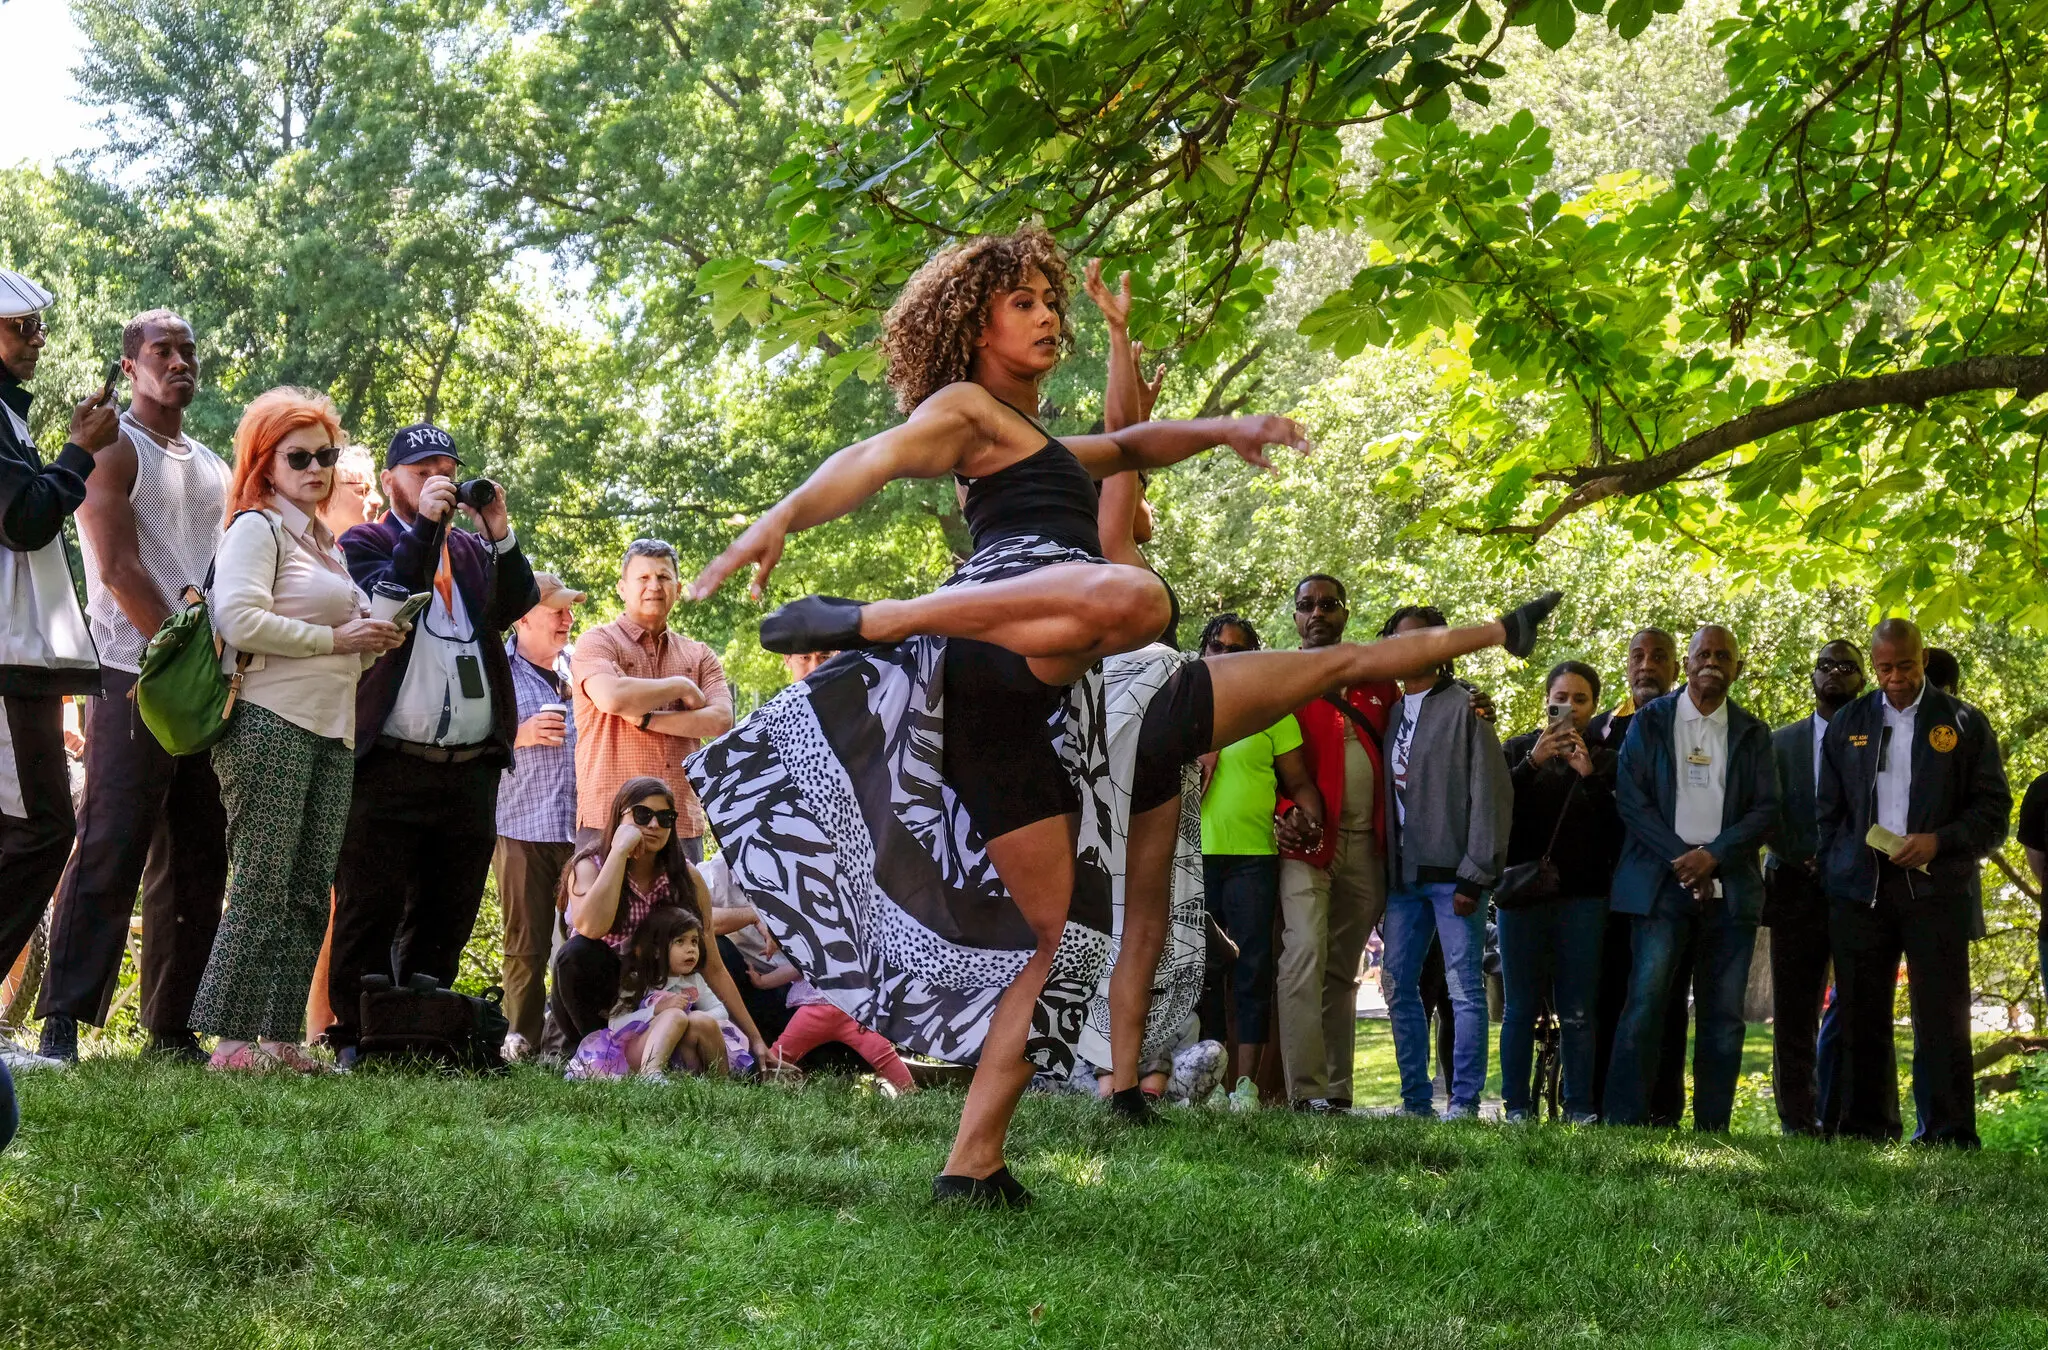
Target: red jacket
1323	729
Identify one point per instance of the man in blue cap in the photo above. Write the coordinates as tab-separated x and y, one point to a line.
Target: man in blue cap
435	723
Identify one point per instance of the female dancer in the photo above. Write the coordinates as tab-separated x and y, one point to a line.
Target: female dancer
1188	707
903	817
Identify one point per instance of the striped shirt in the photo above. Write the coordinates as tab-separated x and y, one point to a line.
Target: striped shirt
537	799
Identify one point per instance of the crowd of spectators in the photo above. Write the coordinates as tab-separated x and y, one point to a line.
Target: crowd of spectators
380	763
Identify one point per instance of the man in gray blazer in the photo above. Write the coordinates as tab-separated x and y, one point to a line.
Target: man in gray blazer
1795	906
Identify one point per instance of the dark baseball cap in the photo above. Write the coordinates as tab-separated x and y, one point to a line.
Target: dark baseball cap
421	440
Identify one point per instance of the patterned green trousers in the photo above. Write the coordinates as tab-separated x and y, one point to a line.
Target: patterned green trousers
287	792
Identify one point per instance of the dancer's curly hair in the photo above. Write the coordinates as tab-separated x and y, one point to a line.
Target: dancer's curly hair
928	334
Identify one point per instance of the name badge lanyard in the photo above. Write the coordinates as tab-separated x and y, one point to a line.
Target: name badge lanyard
1697	762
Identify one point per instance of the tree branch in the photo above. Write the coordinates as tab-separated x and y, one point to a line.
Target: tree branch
2027	376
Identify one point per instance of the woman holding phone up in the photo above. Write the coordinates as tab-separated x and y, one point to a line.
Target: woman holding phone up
1564	809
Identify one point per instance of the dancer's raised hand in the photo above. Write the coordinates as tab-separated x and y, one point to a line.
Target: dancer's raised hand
761	545
1148	390
1115	305
1249	437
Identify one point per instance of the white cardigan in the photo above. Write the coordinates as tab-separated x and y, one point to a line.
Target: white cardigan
280	588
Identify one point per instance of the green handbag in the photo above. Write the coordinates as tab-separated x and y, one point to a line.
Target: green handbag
182	695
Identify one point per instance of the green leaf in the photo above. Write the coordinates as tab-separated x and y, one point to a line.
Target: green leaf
1474	26
1433	109
1555	20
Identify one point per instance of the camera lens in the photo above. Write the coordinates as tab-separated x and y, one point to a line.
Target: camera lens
477	493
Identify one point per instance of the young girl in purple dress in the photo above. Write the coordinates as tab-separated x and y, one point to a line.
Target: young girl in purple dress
666	1017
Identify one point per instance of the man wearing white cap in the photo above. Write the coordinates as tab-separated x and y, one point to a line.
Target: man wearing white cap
45	651
536	805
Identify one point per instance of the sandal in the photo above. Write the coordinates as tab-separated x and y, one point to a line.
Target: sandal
244	1058
296	1060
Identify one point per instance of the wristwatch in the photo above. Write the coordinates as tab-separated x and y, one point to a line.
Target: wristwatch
645	718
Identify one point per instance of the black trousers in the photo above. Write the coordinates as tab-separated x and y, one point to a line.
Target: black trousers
1797	913
413	862
33	846
146	817
1617	959
1932	933
586	986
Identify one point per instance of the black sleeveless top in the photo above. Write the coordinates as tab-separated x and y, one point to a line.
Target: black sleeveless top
1048	494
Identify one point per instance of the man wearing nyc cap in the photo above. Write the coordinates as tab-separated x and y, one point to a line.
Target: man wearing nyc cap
435	723
45	650
536	806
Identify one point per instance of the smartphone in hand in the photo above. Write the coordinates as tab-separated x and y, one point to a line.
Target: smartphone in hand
107	385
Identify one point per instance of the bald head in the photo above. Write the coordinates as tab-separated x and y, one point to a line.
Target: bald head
1897	656
1712	663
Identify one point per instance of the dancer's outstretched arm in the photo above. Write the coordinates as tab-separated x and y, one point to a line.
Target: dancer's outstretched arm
1155	445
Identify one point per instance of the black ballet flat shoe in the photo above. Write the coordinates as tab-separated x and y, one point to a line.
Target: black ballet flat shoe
997	1190
816	623
1132	1106
1523	621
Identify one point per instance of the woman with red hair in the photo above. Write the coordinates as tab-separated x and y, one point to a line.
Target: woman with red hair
282	598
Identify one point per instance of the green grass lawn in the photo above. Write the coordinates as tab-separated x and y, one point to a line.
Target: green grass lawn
146	1205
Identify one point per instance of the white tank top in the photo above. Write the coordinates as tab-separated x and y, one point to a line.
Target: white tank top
180	498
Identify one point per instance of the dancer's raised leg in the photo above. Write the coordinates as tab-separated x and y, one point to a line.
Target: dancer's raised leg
1062	618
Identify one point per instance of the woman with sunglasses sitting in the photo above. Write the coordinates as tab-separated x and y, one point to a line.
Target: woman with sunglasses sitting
298	629
635	864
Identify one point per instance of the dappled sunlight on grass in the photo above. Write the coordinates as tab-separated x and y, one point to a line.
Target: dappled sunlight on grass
1077	1169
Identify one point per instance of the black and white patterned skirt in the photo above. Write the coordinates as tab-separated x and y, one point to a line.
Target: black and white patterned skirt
841	831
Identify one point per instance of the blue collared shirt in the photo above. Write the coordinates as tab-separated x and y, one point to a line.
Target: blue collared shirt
537	800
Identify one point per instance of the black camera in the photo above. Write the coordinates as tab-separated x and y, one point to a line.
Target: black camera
477	493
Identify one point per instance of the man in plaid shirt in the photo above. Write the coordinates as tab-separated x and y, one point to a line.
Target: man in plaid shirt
536	806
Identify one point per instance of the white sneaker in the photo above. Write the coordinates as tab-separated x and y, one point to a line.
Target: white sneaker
1245	1096
516	1048
1196	1072
18	1060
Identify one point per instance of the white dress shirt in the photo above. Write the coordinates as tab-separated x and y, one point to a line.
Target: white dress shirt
1820	733
1701	741
1895	762
431	708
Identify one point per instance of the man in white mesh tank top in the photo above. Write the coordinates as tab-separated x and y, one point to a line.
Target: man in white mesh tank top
152	516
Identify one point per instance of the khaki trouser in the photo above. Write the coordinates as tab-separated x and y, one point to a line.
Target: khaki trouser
1326	917
527	876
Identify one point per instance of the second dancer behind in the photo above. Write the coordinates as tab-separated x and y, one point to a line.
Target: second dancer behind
903	817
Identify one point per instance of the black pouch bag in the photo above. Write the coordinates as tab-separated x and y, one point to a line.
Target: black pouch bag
422	1023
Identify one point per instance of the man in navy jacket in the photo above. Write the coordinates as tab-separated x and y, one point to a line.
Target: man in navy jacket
435	721
1925	767
1697	793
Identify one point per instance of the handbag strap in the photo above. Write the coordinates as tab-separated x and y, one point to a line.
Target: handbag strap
1561	813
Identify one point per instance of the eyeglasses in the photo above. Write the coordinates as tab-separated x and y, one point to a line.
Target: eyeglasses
302	460
1309	604
1229	648
30	326
1828	665
644	816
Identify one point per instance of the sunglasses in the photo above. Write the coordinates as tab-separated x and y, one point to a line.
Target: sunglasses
1328	604
302	460
1229	648
1828	664
30	326
644	816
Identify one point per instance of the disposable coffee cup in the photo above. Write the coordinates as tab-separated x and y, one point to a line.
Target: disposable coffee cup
386	599
561	708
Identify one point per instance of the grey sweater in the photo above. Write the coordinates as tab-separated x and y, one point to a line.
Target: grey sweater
1460	802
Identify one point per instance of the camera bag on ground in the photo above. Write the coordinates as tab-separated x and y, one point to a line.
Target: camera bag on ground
422	1022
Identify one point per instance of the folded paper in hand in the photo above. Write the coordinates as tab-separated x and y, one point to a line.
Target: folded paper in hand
1887	843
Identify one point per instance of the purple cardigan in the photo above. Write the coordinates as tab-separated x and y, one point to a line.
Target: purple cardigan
495	595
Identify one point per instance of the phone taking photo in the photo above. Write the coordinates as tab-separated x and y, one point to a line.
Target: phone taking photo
107	385
1559	713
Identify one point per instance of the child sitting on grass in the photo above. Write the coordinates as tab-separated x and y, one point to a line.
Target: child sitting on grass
814	1020
666	1017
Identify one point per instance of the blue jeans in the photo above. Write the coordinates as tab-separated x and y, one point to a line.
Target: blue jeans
1550	948
1722	949
10	1115
1415	913
1243	895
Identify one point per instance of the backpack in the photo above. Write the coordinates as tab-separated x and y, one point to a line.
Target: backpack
421	1022
181	693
